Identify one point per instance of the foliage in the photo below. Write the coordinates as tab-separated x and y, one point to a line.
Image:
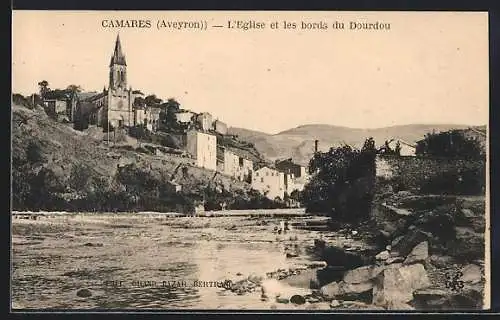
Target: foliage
152	100
450	144
44	87
342	182
167	116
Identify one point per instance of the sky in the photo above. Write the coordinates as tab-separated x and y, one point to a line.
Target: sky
430	67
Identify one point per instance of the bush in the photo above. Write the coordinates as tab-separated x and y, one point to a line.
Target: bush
449	144
469	182
343	182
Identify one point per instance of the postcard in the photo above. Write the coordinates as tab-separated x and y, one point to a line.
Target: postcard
258	160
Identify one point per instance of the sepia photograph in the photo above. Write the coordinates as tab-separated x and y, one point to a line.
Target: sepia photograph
250	160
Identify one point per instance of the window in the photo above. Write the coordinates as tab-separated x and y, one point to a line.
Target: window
256	174
261	179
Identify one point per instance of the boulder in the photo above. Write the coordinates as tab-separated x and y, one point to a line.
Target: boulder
420	253
348	291
471	274
429	298
338	257
392	260
384	255
362	274
468	246
297	299
282	300
395	241
84	293
437	299
405	245
441	261
397	284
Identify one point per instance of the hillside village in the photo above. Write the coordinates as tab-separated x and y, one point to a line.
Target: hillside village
120	111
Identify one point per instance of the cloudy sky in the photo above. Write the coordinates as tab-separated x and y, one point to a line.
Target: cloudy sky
428	68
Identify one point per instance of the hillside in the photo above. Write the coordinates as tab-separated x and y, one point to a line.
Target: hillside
54	165
298	143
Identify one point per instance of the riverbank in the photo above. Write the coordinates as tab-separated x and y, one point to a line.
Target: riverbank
54	258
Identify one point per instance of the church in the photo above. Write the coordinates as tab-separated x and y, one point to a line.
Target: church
114	107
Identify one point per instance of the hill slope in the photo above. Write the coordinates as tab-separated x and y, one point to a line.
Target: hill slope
46	155
298	143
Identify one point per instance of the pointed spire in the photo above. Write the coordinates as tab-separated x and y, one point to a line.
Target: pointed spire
118	56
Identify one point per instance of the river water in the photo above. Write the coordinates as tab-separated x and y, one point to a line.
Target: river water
134	261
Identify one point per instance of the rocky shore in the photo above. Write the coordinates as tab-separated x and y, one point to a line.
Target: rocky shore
408	264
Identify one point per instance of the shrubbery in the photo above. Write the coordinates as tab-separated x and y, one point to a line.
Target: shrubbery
342	183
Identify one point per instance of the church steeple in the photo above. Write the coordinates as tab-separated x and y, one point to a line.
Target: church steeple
117	68
118	56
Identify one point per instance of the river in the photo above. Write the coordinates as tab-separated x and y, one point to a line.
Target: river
140	261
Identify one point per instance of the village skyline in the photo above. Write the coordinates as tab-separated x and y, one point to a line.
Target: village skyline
399	90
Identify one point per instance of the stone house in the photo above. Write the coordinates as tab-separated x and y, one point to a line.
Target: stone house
61	104
220	127
204	121
203	147
269	182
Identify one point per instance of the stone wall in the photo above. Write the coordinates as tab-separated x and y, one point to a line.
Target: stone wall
433	175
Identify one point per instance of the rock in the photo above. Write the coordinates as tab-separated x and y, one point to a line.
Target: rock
282	300
317	264
297	299
396	240
397	305
397	284
354	232
348	291
405	245
312	300
357	305
388	247
362	274
437	299
404	193
471	274
441	261
318	306
384	255
239	274
468	245
90	244
255	278
420	253
84	293
429	298
291	255
392	260
338	257
331	290
334	303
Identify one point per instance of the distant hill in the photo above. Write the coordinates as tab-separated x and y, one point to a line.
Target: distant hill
298	143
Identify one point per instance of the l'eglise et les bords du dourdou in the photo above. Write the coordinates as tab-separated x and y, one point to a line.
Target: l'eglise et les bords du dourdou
119	108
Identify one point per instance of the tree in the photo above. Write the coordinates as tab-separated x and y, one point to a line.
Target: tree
44	87
74	88
139	101
167	117
152	100
449	144
342	183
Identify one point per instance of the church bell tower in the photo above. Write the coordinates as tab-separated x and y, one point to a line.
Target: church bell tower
118	68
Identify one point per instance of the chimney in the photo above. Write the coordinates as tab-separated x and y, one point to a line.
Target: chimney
316	146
